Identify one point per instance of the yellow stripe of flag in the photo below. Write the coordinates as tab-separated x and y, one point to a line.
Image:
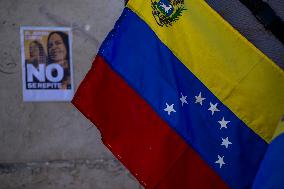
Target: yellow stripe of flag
236	72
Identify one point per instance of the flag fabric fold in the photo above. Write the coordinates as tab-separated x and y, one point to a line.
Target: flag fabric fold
270	173
181	98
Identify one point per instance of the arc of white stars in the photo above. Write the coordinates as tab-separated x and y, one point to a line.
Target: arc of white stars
183	99
169	108
220	161
226	142
223	123
199	99
213	108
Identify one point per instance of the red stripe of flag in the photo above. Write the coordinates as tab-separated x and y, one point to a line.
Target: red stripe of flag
137	136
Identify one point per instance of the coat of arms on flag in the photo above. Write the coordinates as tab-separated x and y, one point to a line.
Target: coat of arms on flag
166	12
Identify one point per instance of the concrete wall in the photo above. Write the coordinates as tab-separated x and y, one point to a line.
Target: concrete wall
51	145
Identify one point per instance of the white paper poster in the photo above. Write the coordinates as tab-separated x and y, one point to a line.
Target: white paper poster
47	70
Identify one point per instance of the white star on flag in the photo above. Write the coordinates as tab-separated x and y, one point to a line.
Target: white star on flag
223	123
199	99
220	161
226	142
213	108
169	109
183	99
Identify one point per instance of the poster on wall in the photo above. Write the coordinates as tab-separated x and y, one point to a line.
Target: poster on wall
47	70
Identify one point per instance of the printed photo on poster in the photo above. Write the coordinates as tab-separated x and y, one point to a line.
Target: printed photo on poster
47	64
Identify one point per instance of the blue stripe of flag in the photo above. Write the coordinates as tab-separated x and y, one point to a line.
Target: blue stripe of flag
270	174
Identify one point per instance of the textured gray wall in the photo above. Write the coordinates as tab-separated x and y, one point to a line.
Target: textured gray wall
51	145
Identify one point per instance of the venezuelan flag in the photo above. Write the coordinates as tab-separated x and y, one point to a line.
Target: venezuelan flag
181	98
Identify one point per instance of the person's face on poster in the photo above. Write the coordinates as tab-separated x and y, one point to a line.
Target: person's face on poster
34	51
56	49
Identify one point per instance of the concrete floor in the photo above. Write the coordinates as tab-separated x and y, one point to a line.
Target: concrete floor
51	145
